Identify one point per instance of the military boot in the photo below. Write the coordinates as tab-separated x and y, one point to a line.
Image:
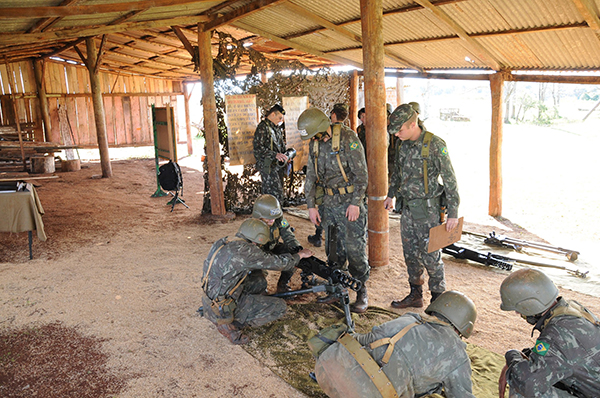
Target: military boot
282	285
434	296
316	240
414	298
233	334
362	301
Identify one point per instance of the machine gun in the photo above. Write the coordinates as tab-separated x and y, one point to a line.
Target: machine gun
334	282
489	259
518	245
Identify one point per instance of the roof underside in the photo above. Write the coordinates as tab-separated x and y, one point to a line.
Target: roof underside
145	37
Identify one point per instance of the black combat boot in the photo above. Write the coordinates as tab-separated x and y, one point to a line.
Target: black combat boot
362	301
282	285
414	298
434	296
316	240
234	334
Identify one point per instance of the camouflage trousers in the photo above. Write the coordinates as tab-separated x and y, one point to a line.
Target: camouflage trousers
272	183
551	393
415	240
253	307
351	239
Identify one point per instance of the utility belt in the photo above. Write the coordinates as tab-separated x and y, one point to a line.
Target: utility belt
422	208
223	307
341	190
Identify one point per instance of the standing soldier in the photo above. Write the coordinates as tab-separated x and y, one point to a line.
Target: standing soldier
234	284
565	361
337	172
267	209
269	148
361	131
414	355
420	160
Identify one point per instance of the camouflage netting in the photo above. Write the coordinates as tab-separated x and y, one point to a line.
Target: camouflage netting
282	347
323	87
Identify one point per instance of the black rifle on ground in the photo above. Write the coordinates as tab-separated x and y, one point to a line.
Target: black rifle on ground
518	245
489	259
333	281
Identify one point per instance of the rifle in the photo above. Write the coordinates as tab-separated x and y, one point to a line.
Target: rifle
489	259
335	282
518	245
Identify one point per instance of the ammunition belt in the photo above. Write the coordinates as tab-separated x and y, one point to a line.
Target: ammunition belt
341	190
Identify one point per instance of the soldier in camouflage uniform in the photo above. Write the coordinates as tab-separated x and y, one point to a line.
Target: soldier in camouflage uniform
234	283
269	148
419	354
361	132
422	197
565	361
281	238
342	176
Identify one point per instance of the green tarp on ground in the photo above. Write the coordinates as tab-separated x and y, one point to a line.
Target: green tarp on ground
282	347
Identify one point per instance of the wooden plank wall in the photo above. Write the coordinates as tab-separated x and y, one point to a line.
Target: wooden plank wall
127	102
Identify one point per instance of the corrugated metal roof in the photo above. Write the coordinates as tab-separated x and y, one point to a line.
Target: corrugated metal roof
460	34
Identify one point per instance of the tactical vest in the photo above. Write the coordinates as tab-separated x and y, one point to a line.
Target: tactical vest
335	147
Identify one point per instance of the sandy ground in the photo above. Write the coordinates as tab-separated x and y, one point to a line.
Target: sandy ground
119	265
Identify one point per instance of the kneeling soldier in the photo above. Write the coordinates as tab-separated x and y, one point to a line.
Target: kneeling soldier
234	283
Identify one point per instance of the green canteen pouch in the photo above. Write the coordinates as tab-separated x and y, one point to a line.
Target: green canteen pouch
319	194
325	338
418	209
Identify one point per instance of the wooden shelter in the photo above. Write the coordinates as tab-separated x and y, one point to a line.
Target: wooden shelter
106	61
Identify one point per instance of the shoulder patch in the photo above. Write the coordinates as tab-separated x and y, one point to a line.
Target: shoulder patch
541	348
444	151
354	145
285	223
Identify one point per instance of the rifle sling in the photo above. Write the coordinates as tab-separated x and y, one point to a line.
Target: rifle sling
368	364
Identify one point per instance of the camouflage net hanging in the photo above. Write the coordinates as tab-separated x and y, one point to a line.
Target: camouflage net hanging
323	88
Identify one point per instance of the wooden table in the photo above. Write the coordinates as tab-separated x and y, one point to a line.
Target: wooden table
22	211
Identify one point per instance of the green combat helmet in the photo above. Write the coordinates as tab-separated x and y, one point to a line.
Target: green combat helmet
254	230
400	116
311	122
267	207
456	308
389	109
528	291
415	106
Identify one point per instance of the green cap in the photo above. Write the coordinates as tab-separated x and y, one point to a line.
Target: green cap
400	116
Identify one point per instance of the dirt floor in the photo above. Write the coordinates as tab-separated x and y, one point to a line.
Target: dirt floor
120	268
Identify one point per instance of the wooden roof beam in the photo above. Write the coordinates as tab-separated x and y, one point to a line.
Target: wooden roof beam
477	48
75	33
59	11
300	47
184	40
238	13
46	23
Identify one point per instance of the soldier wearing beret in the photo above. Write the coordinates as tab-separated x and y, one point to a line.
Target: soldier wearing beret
269	148
419	162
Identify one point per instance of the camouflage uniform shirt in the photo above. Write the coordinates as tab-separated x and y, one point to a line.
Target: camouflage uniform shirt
280	231
430	356
407	180
567	351
352	157
268	142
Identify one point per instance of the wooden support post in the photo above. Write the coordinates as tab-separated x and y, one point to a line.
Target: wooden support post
354	100
188	126
38	68
99	116
16	111
495	201
211	129
371	12
399	91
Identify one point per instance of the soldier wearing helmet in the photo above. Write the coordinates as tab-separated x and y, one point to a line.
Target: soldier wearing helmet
269	149
336	179
281	237
233	281
419	354
565	361
419	163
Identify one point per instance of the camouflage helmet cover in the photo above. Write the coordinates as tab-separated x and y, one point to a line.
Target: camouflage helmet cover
400	116
254	230
456	308
527	291
267	207
311	122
